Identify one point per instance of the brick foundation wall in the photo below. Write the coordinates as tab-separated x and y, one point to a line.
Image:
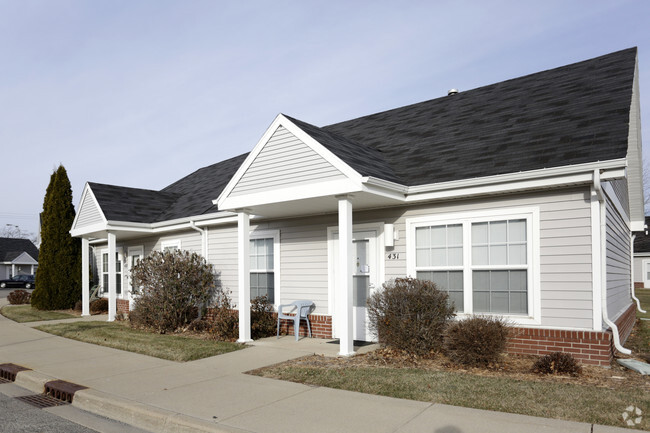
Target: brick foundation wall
321	326
589	347
122	306
638	285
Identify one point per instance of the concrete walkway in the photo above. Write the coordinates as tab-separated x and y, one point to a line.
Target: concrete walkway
214	394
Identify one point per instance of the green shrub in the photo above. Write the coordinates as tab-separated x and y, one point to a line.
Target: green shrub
263	324
225	322
99	306
477	340
557	363
19	296
410	314
169	288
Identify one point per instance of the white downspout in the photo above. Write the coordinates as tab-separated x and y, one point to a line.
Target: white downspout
632	288
603	264
204	239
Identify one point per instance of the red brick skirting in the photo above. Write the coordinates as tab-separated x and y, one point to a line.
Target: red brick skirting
638	285
122	306
589	347
321	326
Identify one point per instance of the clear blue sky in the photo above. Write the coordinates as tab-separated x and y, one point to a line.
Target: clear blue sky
141	93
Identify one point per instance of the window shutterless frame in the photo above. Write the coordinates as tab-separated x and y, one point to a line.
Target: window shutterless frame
473	269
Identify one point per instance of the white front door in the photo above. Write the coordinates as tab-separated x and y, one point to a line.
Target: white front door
365	278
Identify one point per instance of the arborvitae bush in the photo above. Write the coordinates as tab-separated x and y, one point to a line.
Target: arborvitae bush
410	315
225	322
557	363
263	324
477	340
99	306
19	296
58	277
169	288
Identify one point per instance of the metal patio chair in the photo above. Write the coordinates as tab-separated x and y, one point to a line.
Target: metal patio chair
302	309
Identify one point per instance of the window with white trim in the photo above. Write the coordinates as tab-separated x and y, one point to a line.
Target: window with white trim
118	272
484	263
170	245
262	273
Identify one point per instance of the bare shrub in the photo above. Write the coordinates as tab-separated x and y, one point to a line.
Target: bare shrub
477	340
263	324
410	314
557	363
19	296
99	306
225	324
169	288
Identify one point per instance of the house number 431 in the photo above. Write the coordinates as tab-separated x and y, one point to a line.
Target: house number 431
393	256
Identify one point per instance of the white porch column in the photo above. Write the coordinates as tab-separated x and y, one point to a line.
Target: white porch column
243	269
85	281
112	278
344	277
13	269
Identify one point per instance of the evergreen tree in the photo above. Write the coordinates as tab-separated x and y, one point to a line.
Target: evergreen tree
58	277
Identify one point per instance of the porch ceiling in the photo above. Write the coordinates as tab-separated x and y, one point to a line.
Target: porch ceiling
320	205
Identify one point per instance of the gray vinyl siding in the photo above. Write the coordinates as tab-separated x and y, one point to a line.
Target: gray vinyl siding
89	213
565	248
620	189
618	262
222	253
285	161
638	268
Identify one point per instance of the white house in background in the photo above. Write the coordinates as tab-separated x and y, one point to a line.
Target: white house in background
642	257
17	257
518	198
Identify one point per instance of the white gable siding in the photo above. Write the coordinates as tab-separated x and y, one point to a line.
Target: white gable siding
618	263
89	213
285	161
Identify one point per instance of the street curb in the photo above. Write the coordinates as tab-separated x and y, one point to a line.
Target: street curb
143	416
33	380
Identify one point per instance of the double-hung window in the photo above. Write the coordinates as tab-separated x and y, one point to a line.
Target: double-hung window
118	272
484	261
263	249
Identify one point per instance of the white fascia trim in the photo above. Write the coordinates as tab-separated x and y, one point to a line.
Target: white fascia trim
24	259
87	190
579	173
644	254
300	192
281	120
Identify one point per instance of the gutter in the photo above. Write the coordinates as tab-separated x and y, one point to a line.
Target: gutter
632	288
603	265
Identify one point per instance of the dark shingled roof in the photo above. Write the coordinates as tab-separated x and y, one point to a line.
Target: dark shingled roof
569	115
189	196
642	241
10	248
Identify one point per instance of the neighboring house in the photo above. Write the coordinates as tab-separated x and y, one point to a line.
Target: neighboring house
518	199
642	257
17	257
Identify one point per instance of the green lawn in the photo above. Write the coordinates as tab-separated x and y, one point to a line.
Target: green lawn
120	335
25	313
583	403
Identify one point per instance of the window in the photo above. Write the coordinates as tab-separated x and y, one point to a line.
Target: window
439	258
483	261
118	272
262	273
170	245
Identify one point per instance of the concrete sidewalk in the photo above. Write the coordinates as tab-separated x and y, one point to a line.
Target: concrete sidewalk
214	394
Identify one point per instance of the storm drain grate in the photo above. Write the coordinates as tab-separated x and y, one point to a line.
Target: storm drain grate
9	371
41	401
62	390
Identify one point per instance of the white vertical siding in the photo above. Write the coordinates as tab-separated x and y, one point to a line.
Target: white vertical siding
618	262
285	161
89	212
